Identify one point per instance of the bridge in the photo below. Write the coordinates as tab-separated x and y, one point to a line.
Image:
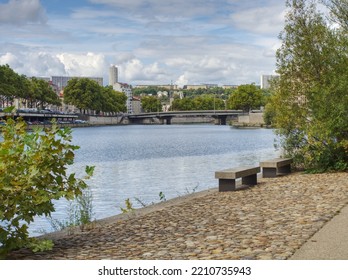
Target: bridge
40	116
220	116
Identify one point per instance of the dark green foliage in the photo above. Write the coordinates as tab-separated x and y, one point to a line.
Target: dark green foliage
310	103
246	98
35	92
87	94
151	104
201	102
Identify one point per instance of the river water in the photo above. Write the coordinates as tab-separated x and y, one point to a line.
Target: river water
139	162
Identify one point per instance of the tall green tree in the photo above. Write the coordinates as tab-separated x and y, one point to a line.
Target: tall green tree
12	85
83	93
246	98
208	102
41	94
151	104
113	101
87	94
311	101
184	104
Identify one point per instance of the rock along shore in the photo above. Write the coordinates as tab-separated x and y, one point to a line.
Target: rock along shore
269	221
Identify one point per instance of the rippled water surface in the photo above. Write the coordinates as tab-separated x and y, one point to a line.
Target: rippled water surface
142	161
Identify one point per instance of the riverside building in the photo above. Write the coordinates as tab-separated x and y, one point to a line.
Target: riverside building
127	90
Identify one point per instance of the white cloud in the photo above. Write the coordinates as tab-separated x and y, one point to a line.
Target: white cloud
22	11
10	59
181	81
89	64
134	70
152	42
260	20
33	63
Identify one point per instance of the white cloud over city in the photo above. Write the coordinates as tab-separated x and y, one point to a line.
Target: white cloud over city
152	42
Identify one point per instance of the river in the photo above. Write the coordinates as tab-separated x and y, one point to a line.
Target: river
139	162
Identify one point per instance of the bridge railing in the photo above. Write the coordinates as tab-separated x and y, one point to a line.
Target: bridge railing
188	113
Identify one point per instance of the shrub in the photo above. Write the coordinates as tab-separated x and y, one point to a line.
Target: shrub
33	173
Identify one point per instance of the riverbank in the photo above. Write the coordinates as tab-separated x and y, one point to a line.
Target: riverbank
269	221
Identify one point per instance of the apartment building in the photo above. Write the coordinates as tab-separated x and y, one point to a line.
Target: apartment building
127	90
62	81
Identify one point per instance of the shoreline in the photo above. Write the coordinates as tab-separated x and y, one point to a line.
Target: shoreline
269	221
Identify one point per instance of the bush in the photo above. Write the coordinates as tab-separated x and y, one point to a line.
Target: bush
33	173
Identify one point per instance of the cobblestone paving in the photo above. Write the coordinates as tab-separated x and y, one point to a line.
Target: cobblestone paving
268	221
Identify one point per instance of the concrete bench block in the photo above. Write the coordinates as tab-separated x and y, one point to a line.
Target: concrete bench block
273	167
227	178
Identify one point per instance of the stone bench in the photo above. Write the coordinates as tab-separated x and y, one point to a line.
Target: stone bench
277	166
227	178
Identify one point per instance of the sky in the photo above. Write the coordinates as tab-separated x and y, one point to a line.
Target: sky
184	42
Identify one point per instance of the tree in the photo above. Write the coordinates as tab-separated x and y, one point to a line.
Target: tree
34	91
11	85
149	90
246	97
151	104
87	94
113	101
41	94
83	93
208	102
33	173
184	104
310	101
339	12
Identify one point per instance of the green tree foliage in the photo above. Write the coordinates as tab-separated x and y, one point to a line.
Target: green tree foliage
12	85
113	101
151	104
339	12
83	93
33	173
35	92
87	94
310	104
150	90
184	104
204	91
41	94
246	98
201	102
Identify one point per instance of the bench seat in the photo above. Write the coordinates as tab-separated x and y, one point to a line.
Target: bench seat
273	167
227	178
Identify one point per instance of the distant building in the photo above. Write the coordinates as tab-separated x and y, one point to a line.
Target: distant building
127	90
113	75
265	80
136	105
168	87
203	86
230	86
62	81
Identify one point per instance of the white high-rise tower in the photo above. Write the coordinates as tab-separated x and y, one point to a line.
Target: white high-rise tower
113	75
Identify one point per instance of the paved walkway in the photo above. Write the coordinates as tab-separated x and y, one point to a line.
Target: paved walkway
329	243
269	221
